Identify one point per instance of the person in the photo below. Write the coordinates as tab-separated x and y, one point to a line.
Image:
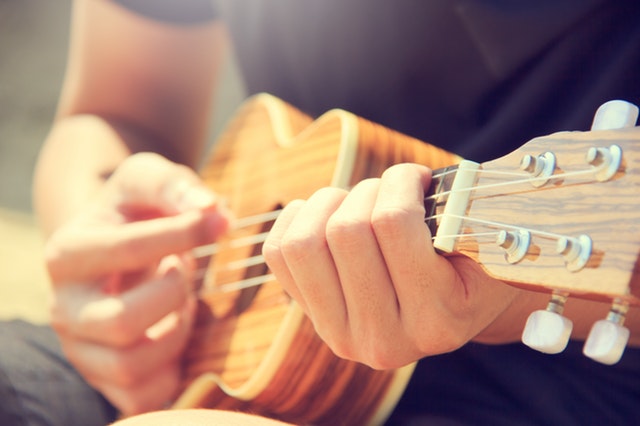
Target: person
119	200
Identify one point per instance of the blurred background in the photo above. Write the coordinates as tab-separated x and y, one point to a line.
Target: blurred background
33	41
33	44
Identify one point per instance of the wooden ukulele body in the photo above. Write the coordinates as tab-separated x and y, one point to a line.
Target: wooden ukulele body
254	350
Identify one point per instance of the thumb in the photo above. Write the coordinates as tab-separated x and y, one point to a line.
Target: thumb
151	207
147	184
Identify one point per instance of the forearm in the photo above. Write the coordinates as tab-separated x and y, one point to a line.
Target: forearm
141	87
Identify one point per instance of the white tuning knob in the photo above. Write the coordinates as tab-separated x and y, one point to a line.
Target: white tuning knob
608	337
615	115
606	342
547	331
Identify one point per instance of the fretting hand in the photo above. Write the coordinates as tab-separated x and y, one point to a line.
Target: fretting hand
362	266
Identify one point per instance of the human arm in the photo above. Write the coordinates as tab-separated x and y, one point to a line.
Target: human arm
131	86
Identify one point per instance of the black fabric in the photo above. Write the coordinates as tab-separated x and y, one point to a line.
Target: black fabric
476	385
512	385
38	386
478	78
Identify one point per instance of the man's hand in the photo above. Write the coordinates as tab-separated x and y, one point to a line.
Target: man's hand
362	266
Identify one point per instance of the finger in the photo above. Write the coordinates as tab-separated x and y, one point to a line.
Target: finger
272	251
78	253
398	222
126	367
311	266
87	313
405	241
371	302
165	186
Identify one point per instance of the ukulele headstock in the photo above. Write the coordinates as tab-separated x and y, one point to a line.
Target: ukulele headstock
562	215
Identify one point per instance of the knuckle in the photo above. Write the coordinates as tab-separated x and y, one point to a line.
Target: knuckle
341	347
122	372
389	221
300	247
437	340
377	351
346	231
272	254
337	340
117	330
381	357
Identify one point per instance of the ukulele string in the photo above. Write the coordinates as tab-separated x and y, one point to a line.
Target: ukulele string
243	284
262	279
528	179
497	225
262	218
258	219
200	274
212	249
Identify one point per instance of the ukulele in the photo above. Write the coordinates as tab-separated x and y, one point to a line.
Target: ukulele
558	215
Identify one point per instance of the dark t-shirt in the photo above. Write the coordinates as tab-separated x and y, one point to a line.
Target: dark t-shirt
478	78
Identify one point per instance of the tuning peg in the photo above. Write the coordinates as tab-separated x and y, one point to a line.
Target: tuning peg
515	244
608	338
575	251
547	330
615	114
606	160
540	168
